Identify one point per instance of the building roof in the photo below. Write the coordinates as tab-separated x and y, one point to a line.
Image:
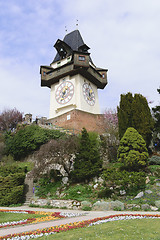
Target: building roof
75	41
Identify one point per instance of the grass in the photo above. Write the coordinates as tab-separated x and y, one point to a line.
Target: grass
136	229
9	217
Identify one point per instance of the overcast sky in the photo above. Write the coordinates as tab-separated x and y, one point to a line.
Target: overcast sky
123	36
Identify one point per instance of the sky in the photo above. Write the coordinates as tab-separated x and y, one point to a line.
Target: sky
123	36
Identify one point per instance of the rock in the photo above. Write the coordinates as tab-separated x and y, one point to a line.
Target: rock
154	208
95	186
95	179
75	208
57	193
100	180
101	206
139	195
157	203
65	180
62	195
131	206
147	180
79	192
148	191
122	192
117	205
86	204
145	206
107	206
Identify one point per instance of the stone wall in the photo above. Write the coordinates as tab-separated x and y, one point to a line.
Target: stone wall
68	204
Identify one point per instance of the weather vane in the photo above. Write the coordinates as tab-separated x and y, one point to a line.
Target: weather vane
77	24
66	29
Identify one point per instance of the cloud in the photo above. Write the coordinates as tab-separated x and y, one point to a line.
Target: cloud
123	36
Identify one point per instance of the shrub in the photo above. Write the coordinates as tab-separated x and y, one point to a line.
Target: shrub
11	169
105	193
154	160
28	139
11	185
13	197
86	208
118	180
132	151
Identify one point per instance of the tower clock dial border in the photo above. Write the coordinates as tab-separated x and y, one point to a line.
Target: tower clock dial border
88	94
64	92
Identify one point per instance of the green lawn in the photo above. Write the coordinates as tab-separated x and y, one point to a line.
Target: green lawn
9	217
147	229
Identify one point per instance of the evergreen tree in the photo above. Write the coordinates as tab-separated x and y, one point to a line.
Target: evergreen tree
132	151
156	114
134	112
142	119
156	111
125	113
87	162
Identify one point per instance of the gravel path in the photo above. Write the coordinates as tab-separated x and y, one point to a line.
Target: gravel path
87	216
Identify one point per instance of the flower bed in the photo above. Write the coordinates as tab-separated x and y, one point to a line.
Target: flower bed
81	224
49	216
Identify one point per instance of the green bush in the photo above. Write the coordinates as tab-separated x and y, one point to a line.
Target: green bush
105	193
118	180
11	185
11	169
13	197
12	180
154	170
132	151
28	139
86	208
154	160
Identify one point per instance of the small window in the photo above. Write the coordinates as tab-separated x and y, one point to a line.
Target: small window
103	75
68	117
44	73
58	64
82	58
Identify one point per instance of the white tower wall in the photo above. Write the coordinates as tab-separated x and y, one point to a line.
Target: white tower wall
77	101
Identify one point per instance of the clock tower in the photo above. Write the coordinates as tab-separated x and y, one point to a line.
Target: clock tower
74	79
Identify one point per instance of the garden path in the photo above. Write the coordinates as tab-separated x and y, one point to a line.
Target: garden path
88	215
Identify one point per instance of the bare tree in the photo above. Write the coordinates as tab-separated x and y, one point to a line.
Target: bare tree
9	119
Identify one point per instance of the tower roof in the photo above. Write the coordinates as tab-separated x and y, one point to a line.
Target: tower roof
75	41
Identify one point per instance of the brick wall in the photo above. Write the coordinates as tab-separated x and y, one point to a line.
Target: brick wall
77	119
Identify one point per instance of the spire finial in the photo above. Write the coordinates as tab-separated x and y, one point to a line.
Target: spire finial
66	29
77	24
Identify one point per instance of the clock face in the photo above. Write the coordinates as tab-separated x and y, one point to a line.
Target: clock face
64	92
88	94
